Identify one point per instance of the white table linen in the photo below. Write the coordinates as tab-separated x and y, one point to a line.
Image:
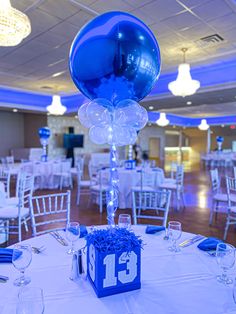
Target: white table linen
129	179
182	283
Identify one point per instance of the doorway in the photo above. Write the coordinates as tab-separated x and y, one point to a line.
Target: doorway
154	149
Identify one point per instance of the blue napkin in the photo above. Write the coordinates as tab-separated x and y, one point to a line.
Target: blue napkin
83	231
209	244
6	255
154	229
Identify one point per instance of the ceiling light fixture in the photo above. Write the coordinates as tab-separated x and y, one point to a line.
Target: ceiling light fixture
14	25
184	85
203	126
58	73
15	110
188	103
56	107
151	107
162	121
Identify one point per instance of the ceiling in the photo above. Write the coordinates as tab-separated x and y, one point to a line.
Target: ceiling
176	24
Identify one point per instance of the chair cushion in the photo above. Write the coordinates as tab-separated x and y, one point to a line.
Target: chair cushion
12	212
220	197
144	188
85	183
98	188
168	186
12	201
169	181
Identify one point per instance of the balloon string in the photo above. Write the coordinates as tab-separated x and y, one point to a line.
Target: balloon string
112	194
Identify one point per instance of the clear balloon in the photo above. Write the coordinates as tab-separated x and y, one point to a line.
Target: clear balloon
98	135
120	136
97	112
115	56
83	117
129	113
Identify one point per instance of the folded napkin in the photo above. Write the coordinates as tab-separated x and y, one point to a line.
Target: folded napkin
154	229
6	255
83	231
209	244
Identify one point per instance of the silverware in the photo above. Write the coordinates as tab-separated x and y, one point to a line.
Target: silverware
191	241
3	279
37	250
59	238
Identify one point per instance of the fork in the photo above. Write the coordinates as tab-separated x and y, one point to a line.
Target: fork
37	250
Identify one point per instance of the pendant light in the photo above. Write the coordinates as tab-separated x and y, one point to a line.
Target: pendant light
184	85
203	126
14	25
56	107
162	121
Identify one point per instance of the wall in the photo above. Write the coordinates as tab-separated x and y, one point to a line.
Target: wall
11	131
198	143
152	131
32	122
59	126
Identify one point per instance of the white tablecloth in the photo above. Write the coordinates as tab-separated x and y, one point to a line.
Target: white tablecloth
129	179
182	283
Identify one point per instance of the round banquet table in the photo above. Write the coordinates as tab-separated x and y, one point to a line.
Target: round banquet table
182	283
129	179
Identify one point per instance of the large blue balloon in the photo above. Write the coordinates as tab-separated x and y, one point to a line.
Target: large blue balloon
44	132
116	57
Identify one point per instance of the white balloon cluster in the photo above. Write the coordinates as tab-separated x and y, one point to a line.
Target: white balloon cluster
113	125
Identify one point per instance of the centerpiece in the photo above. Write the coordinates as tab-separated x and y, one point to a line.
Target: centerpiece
113	261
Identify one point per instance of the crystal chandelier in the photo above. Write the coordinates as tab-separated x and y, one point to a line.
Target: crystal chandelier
56	106
184	85
14	25
203	126
162	121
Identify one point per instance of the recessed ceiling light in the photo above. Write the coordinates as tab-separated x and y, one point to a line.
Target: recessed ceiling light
15	110
222	125
48	114
149	124
188	103
76	117
151	107
56	62
58	73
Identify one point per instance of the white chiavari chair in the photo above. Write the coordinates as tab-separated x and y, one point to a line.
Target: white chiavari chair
50	212
5	178
231	199
151	205
147	181
218	197
14	216
176	187
98	191
64	174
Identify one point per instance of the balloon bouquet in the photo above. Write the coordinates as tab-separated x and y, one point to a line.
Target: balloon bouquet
114	61
44	134
219	141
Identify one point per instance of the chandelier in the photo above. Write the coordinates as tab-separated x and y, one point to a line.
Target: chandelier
56	107
14	25
162	121
203	126
184	85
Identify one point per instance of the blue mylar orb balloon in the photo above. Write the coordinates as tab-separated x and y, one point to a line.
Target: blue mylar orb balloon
44	132
115	56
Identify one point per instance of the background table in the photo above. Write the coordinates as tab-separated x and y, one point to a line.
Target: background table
129	179
183	283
